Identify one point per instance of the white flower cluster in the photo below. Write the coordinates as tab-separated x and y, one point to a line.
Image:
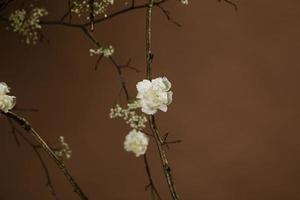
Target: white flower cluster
134	120
64	150
136	142
185	2
154	95
82	7
27	24
106	51
6	102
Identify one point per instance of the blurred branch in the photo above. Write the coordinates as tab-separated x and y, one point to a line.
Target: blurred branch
4	4
35	148
42	144
234	5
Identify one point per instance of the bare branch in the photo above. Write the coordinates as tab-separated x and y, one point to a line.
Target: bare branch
167	14
35	148
68	13
13	132
98	61
151	185
40	141
158	140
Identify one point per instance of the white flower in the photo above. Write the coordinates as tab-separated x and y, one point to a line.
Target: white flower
154	95
4	89
6	102
27	23
82	7
105	51
136	142
185	2
64	150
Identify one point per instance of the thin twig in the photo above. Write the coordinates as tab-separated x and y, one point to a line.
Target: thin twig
151	184
98	61
68	13
167	14
122	80
13	132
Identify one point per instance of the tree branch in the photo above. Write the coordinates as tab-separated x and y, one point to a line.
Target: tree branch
41	142
158	140
125	90
167	14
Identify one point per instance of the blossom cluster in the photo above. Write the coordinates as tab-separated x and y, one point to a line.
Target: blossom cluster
6	102
64	150
105	51
129	114
83	7
27	24
153	95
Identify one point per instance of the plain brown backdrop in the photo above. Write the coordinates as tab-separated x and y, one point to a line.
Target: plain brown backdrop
236	104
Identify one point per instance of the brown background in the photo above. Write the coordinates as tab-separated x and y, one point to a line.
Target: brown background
236	106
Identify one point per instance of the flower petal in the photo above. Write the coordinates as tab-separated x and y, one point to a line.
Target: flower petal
148	111
163	108
142	86
170	97
167	83
4	89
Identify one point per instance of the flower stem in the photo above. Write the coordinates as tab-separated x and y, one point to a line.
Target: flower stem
159	141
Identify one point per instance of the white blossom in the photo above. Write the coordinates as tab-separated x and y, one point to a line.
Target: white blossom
154	95
4	89
136	142
27	24
64	150
130	116
82	7
106	51
185	2
6	102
